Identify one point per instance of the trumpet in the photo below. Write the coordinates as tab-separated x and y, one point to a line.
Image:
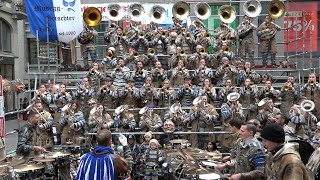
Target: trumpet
202	51
187	35
123	35
151	52
266	90
163	34
311	83
182	53
63	93
118	68
104	89
141	34
207	35
135	53
93	71
39	95
109	55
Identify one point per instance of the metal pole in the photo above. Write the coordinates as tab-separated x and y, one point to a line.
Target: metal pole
48	48
38	59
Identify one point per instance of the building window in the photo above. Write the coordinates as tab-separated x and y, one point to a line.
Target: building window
5	37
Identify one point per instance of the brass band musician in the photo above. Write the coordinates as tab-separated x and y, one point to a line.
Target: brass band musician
248	72
86	39
95	75
149	121
208	90
83	93
289	96
43	95
248	98
107	93
72	121
147	93
158	74
225	91
226	71
99	119
186	93
165	95
129	95
223	34
311	90
202	73
267	112
266	33
202	118
124	120
246	41
268	91
109	62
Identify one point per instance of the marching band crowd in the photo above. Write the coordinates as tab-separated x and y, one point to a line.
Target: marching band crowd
156	79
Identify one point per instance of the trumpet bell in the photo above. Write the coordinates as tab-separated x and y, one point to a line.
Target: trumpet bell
151	52
307	105
233	96
143	110
114	12
158	14
136	12
92	16
181	10
203	10
252	8
227	14
276	9
119	109
174	108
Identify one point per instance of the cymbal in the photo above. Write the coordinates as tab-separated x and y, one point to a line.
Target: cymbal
57	154
17	160
214	155
27	167
43	159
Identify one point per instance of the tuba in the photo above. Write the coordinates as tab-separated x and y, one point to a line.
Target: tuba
227	14
114	12
136	12
157	14
252	8
276	9
181	10
92	17
307	105
202	10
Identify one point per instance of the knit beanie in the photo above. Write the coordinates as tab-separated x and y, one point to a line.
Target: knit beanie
154	141
274	133
149	133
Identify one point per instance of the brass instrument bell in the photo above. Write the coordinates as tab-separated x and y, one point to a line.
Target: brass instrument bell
307	105
136	12
227	14
114	12
203	10
181	10
151	52
157	14
252	8
92	16
276	9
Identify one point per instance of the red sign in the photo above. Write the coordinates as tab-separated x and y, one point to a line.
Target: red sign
304	16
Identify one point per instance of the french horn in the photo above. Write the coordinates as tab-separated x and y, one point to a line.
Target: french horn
157	14
227	14
307	105
252	8
181	10
114	12
276	9
136	12
202	10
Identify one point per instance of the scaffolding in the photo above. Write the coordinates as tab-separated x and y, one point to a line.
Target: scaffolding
48	68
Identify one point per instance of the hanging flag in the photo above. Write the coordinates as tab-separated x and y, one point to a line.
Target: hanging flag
62	19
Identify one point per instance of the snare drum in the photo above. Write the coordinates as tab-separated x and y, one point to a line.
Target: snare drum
208	164
211	176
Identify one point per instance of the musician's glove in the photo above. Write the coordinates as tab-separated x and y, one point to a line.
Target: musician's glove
123	140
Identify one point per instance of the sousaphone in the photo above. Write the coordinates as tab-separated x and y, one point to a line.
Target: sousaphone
276	9
181	10
227	14
157	14
252	8
136	12
114	12
203	10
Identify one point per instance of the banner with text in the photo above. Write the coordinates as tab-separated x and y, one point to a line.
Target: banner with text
125	7
62	19
304	16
